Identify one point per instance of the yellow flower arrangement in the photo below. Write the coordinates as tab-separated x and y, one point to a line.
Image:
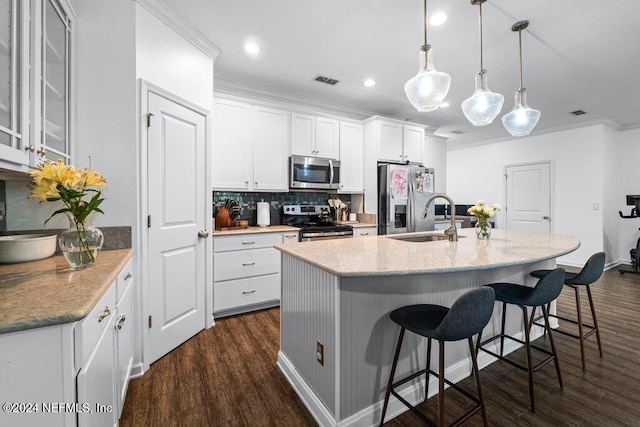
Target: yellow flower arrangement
55	181
483	212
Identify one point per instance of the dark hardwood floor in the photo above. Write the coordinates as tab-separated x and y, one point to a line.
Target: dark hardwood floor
227	375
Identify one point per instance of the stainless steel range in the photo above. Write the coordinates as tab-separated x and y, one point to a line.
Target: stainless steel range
314	222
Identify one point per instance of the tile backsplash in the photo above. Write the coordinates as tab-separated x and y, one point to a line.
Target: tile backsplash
248	202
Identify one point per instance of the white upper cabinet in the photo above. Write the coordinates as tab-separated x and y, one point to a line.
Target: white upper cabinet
436	158
398	142
53	128
413	143
35	44
314	136
250	147
232	148
270	149
14	72
351	161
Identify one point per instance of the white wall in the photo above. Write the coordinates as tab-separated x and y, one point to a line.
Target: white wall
627	165
477	173
168	60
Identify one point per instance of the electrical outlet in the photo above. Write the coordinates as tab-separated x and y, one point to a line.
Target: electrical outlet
320	352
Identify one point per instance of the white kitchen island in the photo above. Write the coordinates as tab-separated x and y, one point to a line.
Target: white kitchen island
340	293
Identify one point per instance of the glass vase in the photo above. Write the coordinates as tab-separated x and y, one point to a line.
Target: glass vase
81	242
483	229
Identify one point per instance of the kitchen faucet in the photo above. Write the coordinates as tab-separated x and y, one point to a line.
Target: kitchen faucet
452	232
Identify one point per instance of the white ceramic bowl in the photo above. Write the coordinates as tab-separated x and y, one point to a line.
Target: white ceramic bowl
26	247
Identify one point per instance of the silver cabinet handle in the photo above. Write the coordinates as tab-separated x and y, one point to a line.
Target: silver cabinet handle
248	292
203	234
545	217
247	264
121	321
364	234
105	313
248	243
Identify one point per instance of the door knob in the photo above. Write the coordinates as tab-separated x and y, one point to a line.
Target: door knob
545	217
203	234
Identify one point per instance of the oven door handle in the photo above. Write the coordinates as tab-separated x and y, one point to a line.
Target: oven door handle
331	169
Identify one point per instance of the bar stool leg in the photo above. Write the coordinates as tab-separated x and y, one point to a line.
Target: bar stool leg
580	331
391	375
529	364
545	313
595	321
441	385
426	385
504	319
474	362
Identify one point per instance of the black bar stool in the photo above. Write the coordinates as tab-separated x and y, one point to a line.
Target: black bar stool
546	290
589	274
466	317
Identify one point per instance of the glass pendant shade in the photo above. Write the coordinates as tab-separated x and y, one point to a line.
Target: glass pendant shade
522	119
427	89
483	106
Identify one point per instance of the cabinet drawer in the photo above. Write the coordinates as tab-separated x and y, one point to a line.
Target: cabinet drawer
246	241
238	293
243	264
90	329
125	278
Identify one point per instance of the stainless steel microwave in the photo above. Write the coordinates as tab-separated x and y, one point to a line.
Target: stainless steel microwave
314	173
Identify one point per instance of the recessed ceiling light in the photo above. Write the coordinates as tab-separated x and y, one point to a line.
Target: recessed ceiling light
438	19
251	48
444	104
369	82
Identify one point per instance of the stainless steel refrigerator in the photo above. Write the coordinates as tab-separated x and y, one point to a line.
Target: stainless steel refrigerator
403	191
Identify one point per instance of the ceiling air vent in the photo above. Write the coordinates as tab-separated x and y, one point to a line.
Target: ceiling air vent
578	112
326	80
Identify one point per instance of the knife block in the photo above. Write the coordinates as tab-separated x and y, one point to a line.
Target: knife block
223	220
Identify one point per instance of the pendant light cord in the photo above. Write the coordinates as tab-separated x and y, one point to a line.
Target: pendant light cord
425	22
481	46
520	46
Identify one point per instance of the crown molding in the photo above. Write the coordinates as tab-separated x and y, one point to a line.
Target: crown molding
604	121
180	25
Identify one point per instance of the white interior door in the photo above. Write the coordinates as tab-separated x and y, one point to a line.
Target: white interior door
176	206
528	199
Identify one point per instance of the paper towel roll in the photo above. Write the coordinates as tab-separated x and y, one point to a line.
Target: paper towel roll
263	214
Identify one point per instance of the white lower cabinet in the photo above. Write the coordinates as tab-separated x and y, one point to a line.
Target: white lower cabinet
365	231
77	373
246	272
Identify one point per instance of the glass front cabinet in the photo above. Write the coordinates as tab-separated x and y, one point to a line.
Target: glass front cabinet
35	45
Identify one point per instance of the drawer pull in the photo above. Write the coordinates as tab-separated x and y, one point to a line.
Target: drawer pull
248	243
246	264
128	276
364	234
120	323
248	292
105	313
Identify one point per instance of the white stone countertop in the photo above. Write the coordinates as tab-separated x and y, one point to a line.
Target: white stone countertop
250	230
383	256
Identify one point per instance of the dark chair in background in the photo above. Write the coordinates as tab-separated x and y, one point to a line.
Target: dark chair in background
546	290
589	274
469	314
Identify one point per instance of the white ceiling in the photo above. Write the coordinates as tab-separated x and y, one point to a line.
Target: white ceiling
578	54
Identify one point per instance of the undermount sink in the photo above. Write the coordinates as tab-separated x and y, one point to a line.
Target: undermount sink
422	237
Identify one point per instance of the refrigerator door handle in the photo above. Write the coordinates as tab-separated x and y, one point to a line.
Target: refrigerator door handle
410	213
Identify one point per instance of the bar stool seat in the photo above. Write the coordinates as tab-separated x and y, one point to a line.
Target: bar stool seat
466	317
546	290
590	273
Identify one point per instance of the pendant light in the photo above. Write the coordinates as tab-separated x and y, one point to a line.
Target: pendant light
522	119
427	89
483	106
